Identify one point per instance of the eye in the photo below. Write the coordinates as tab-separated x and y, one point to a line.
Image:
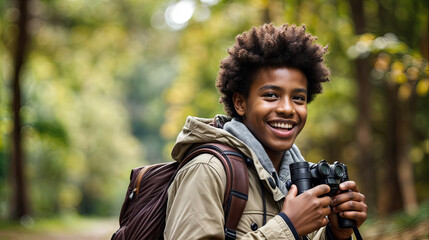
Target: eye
270	95
300	98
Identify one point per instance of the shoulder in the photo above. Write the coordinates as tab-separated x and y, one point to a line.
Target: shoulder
201	181
205	166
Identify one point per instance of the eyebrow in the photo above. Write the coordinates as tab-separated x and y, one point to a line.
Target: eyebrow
300	90
270	87
277	88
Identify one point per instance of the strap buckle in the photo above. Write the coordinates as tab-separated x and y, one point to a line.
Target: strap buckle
230	234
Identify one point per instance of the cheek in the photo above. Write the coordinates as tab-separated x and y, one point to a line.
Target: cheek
303	115
254	110
254	119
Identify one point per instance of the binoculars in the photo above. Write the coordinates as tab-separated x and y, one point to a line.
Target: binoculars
306	176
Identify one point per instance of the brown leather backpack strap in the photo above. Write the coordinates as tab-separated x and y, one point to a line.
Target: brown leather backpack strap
237	188
239	191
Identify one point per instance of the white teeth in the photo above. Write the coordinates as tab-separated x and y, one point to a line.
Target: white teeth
282	125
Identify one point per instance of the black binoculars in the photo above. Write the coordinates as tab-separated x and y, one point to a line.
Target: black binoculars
306	176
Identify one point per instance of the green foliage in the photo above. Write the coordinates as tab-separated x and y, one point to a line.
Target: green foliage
108	84
402	220
76	128
398	221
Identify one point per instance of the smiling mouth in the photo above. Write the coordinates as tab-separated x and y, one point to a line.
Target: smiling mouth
285	126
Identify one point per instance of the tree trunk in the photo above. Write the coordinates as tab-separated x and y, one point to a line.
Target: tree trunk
405	166
266	16
363	125
20	201
388	174
398	167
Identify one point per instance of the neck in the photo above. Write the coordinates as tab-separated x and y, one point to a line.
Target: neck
276	158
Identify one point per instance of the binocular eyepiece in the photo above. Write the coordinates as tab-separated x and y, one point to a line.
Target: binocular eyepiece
306	176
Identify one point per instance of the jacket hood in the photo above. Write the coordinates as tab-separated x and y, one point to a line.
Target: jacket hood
204	130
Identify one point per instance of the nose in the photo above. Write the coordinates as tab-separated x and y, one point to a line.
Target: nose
285	107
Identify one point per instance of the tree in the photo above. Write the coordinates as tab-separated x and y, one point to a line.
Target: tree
20	199
398	70
363	122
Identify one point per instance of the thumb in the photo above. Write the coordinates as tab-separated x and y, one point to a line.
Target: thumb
293	191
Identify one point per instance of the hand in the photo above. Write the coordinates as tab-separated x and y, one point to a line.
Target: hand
349	204
307	212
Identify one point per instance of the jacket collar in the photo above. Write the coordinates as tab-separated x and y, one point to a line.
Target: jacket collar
201	130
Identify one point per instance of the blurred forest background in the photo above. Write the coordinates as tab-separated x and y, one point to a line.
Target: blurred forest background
91	89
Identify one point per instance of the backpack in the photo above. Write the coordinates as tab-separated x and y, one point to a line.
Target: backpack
143	212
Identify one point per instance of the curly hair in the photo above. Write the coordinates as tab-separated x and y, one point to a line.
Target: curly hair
270	46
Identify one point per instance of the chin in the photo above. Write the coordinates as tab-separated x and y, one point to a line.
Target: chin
283	147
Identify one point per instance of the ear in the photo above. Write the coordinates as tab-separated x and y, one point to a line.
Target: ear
239	103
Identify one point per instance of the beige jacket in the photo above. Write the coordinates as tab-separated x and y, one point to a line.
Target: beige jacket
195	197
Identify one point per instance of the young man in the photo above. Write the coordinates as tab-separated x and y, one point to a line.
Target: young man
266	82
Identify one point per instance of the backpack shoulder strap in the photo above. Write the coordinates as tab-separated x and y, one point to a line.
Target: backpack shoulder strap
237	188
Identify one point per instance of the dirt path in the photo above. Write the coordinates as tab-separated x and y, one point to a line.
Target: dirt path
419	231
102	229
90	230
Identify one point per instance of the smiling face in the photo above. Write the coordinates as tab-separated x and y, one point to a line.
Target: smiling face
275	110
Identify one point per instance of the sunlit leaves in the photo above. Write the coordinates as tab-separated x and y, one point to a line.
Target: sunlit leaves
422	87
368	43
395	62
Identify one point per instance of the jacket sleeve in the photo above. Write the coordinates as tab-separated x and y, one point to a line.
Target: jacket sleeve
194	207
277	228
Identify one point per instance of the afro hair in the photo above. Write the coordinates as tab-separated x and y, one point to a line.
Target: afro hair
270	46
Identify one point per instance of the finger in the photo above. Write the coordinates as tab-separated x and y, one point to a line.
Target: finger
325	221
320	190
349	185
293	191
359	217
351	206
327	210
348	196
326	201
